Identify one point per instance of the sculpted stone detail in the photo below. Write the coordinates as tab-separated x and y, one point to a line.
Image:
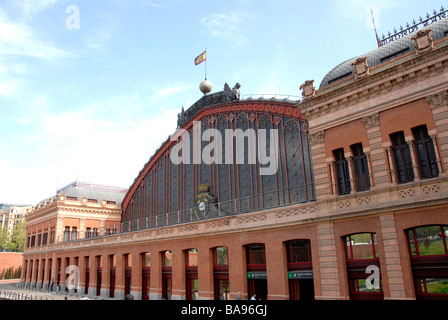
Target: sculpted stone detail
371	120
363	201
406	193
189	228
317	137
296	212
218	224
437	99
308	89
344	204
431	189
251	219
423	41
362	68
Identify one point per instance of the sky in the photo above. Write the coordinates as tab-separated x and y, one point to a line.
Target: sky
89	89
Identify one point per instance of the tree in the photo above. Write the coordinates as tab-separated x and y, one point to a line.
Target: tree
3	237
19	235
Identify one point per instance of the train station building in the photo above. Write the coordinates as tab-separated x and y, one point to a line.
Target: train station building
341	194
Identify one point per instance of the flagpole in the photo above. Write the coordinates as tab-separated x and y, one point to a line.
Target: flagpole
205	63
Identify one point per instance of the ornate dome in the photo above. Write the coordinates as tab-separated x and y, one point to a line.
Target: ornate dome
383	53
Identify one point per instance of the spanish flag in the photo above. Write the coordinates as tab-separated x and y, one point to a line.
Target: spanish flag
200	58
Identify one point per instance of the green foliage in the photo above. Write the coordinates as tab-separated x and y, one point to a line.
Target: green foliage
18	238
10	273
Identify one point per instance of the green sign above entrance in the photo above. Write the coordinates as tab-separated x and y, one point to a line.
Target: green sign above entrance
300	275
257	275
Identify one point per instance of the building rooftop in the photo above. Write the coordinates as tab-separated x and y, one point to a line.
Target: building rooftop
78	190
399	44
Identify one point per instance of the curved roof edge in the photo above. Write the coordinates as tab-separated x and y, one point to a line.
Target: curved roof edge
282	107
384	53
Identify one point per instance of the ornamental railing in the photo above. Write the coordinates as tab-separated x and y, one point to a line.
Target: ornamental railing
268	200
404	31
273	96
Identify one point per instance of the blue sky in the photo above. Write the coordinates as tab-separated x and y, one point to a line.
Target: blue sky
96	101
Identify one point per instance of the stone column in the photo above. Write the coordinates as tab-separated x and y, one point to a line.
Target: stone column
178	283
333	286
105	277
321	178
277	271
438	103
40	269
155	290
237	271
64	265
136	284
119	276
93	275
205	274
398	274
82	275
46	275
377	160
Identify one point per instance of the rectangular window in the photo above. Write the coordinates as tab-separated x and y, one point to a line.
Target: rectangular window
191	258
256	254
342	172
298	251
361	168
402	158
425	152
74	233
433	286
67	234
220	256
167	259
361	246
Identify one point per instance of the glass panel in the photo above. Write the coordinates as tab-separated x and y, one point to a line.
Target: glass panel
433	285
167	261
359	286
430	240
224	289
256	254
147	262
194	293
362	246
192	258
299	251
412	242
221	256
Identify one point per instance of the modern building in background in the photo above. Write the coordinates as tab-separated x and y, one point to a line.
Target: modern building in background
11	215
355	208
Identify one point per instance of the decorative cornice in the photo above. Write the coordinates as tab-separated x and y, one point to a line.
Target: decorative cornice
339	95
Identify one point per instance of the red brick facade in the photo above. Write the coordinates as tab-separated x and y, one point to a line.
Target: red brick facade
353	122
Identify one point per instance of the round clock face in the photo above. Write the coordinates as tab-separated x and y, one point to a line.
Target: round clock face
201	206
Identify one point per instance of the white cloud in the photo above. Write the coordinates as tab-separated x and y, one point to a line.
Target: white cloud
229	27
34	6
166	92
20	39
